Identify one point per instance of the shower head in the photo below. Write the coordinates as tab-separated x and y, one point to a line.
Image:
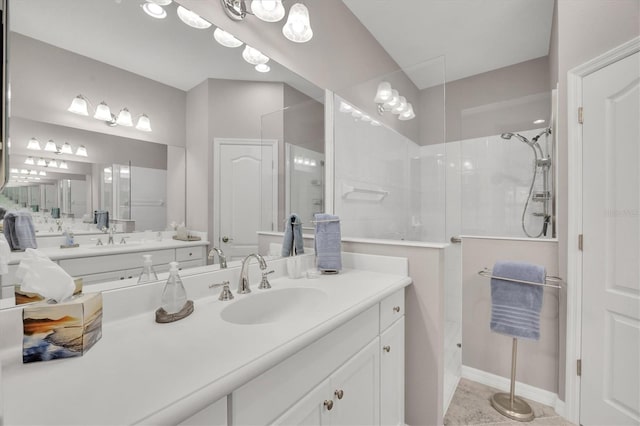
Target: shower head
546	131
518	136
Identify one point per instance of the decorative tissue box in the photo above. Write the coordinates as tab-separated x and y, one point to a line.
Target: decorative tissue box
63	330
23	297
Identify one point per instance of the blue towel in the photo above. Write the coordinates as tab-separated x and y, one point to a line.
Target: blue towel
293	243
19	230
515	307
327	242
101	219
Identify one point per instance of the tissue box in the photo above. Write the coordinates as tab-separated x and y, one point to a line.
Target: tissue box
63	330
23	297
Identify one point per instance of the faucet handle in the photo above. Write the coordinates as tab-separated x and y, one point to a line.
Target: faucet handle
264	284
225	294
123	240
99	243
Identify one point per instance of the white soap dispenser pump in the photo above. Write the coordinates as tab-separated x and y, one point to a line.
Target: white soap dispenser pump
148	274
175	305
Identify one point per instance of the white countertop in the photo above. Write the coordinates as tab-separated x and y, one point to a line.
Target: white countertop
155	373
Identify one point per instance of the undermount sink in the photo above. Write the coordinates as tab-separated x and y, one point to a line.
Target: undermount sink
265	306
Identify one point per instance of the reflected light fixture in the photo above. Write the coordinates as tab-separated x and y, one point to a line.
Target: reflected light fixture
263	68
268	10
41	162
79	105
42	173
52	163
254	56
298	26
34	144
143	123
63	165
29	161
66	148
226	39
154	10
51	146
192	19
81	151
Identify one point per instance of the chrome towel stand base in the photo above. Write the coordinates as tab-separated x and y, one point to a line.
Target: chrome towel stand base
508	404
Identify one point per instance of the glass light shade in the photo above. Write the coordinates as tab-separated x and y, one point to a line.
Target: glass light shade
254	56
41	162
78	106
393	102
29	161
66	148
401	107
53	163
298	26
124	118
51	146
375	123
63	165
81	151
154	10
192	19
263	68
408	114
34	144
226	39
384	92
268	10
357	114
42	173
144	123
102	112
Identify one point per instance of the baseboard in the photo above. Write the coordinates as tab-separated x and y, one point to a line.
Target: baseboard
522	389
449	397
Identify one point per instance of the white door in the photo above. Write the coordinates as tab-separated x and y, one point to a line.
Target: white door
392	374
610	381
245	197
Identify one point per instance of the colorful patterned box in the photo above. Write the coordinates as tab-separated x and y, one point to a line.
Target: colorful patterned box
23	297
63	330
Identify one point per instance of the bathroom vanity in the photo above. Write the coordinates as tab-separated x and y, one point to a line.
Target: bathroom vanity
328	350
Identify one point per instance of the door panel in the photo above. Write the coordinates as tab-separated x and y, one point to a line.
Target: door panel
610	389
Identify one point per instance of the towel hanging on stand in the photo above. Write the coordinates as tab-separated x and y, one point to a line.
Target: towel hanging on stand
293	243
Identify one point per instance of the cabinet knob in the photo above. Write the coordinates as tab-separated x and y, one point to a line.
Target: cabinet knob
386	348
190	254
396	309
328	404
339	393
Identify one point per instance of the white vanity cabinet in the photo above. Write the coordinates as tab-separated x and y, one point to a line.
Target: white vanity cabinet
347	377
213	415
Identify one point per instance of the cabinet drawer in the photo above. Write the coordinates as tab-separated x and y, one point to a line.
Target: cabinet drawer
266	397
189	253
391	309
114	262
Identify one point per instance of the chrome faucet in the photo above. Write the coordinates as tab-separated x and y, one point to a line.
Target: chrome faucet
223	258
243	285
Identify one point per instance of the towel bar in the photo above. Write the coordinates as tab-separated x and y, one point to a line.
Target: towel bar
550	281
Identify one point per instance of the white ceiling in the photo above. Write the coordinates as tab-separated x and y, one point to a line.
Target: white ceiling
474	36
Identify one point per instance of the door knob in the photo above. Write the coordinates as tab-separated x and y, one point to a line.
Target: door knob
226	239
339	393
328	404
386	348
396	309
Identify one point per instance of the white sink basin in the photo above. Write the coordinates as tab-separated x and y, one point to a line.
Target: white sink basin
265	306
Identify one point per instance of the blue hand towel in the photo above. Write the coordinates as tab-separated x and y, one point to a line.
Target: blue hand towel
515	307
327	242
19	230
101	219
293	243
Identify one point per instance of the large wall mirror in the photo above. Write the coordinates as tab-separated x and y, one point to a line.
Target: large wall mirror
113	52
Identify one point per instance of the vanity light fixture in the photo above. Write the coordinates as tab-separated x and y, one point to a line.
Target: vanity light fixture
42	173
298	25
33	172
254	56
80	104
192	19
34	144
388	99
103	112
63	165
539	121
66	149
29	161
357	114
41	162
24	171
15	171
124	118
143	123
81	151
51	146
53	164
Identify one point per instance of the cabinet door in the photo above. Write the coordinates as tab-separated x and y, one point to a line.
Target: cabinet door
392	374
314	409
356	388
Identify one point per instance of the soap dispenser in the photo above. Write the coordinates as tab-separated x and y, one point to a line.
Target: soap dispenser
148	273
174	304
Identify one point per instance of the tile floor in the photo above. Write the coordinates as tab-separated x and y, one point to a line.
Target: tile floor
470	406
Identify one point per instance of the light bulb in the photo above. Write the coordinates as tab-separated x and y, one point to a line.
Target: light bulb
298	26
124	118
34	144
226	39
66	148
51	146
79	106
102	112
144	123
268	10
192	19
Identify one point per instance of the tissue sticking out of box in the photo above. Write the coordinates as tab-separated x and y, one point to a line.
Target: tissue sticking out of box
38	274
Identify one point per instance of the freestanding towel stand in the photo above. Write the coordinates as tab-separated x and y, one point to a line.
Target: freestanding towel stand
508	404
